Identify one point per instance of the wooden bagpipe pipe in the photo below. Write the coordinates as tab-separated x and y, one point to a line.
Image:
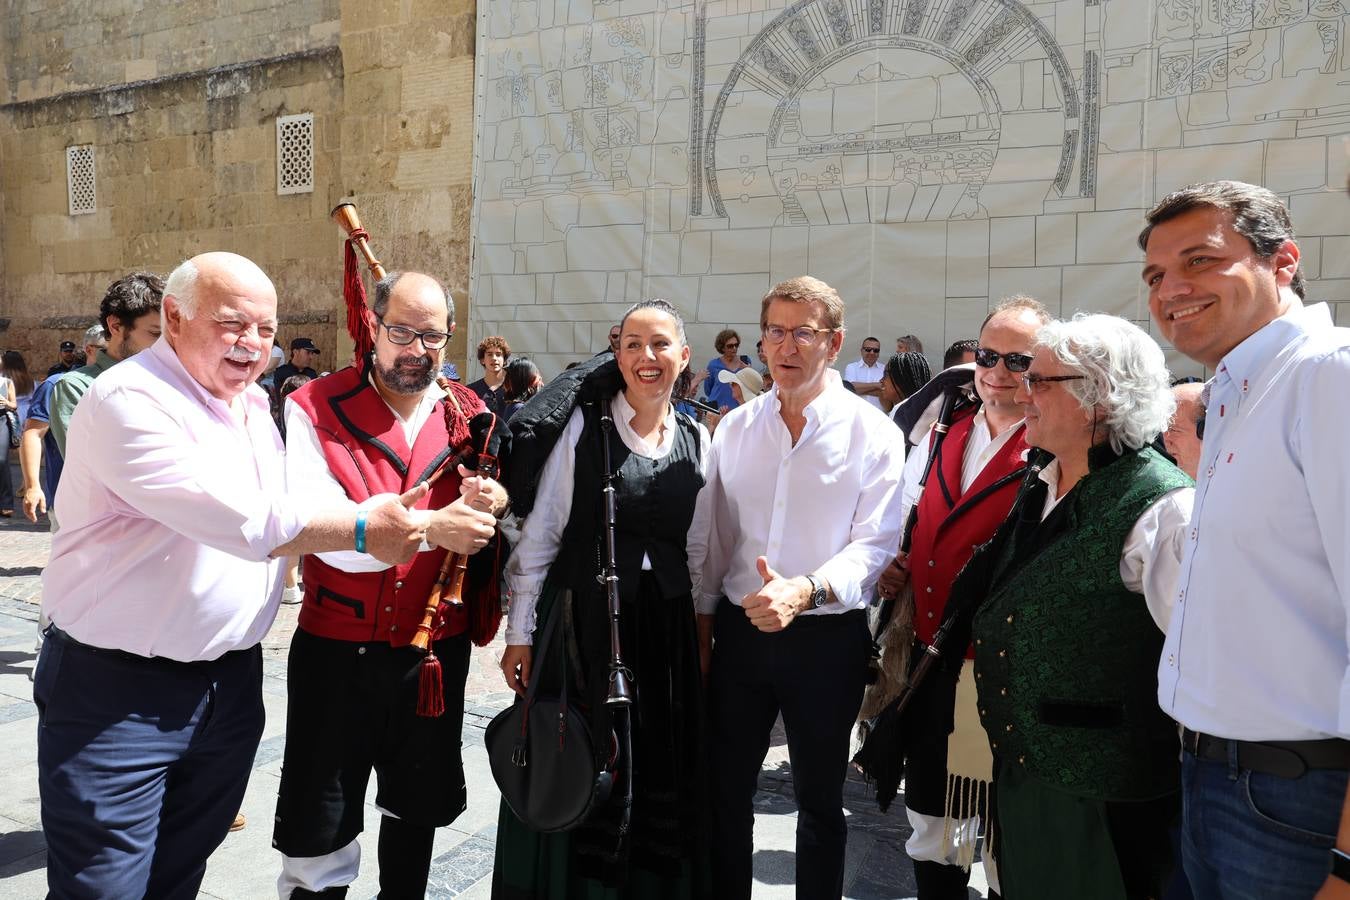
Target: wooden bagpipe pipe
456	582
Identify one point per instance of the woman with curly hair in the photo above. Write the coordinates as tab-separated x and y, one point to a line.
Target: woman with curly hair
719	394
1074	594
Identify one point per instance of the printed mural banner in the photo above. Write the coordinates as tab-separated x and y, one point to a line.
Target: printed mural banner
925	157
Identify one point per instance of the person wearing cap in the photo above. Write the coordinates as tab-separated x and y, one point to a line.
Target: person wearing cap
746	384
303	352
67	362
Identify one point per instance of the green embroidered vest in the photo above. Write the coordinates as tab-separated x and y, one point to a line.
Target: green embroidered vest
1066	656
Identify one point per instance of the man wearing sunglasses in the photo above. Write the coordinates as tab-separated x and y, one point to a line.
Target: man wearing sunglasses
865	373
971	486
380	426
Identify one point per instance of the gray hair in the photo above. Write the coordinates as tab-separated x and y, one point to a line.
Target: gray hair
385	286
182	286
94	337
1258	215
1126	375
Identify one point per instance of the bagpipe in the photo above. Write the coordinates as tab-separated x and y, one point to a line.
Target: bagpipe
476	587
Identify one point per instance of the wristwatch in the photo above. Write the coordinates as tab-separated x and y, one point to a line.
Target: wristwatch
818	593
1340	864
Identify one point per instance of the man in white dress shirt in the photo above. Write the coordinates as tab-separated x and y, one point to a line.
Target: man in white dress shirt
802	488
163	579
865	373
1255	667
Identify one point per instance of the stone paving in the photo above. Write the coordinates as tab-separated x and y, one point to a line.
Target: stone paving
245	866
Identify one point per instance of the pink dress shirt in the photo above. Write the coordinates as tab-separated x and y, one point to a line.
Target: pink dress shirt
173	502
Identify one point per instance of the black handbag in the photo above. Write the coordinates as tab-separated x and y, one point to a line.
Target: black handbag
542	752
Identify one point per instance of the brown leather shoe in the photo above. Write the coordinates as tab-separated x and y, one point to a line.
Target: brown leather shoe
239	823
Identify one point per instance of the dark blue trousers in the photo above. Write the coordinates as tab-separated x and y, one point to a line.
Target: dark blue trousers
142	765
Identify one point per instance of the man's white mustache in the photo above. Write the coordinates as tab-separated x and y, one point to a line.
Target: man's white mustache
240	355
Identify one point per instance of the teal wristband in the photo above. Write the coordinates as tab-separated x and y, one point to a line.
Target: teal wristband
361	531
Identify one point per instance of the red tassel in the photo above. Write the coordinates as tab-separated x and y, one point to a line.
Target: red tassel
360	319
430	691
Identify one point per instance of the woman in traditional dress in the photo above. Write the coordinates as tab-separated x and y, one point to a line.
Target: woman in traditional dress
658	456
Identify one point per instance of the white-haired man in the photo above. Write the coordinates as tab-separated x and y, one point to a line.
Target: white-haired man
1256	667
1186	430
163	578
1072	597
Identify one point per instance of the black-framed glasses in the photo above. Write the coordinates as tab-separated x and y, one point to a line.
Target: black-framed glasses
1030	380
1200	427
804	335
987	359
732	345
403	335
871	349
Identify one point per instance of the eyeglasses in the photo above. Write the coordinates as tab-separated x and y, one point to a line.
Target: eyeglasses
987	359
1200	427
1031	380
403	335
732	345
871	349
804	335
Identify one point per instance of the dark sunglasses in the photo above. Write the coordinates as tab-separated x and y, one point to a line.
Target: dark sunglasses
987	359
1200	427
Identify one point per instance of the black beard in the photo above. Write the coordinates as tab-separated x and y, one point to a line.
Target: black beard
403	382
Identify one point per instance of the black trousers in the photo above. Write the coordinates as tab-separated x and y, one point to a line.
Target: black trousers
352	710
813	672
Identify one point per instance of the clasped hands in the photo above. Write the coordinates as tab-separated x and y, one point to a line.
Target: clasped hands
395	531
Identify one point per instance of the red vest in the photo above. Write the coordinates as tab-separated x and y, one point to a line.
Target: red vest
367	453
946	534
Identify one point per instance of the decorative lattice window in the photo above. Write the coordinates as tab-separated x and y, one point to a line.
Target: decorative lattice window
295	154
80	179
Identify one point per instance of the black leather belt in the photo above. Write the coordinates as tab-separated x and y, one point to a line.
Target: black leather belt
1286	759
163	662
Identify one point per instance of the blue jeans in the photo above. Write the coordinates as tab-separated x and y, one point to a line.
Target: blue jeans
1251	836
142	765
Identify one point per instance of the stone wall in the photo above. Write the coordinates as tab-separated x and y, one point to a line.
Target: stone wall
50	48
182	165
407	137
185	149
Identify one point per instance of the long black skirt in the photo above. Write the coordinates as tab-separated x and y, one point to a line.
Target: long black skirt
665	853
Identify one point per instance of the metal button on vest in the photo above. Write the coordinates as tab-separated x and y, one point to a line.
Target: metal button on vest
1007	727
388	609
1021	760
1003	692
1002	653
1010	618
393	628
930	614
928	590
360	651
979	641
398	585
931	563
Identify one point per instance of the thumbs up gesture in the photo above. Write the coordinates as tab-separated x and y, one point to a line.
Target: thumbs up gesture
777	602
393	535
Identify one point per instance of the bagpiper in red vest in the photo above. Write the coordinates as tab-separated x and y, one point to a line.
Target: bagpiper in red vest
948	530
368	454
